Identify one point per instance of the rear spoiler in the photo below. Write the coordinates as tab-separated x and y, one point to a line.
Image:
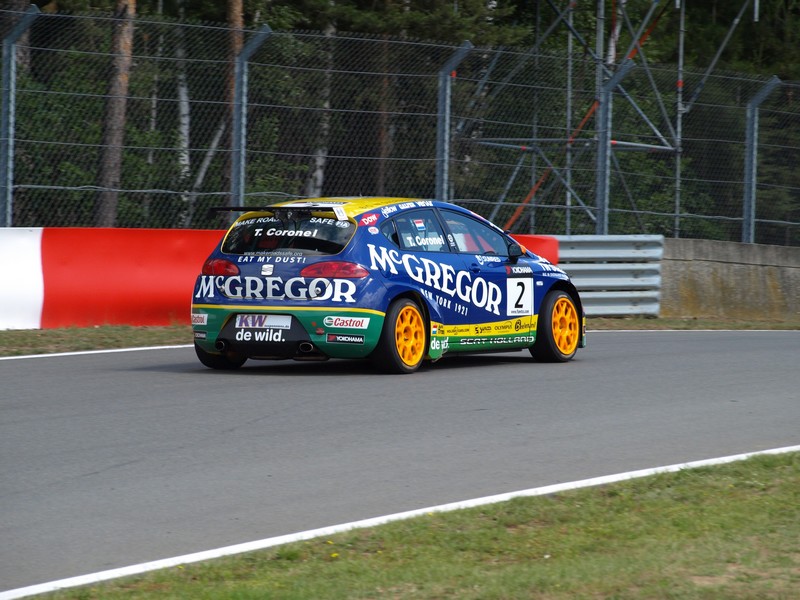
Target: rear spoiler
336	209
214	209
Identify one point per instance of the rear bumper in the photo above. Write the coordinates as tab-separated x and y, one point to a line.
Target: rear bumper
286	332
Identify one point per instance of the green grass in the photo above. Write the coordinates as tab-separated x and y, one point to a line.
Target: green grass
727	532
44	341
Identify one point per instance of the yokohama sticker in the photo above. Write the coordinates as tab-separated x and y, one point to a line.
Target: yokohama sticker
340	338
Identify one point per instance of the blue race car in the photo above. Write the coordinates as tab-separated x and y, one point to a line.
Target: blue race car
394	280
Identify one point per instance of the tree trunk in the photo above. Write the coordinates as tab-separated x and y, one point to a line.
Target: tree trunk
184	121
385	135
153	124
114	121
616	29
200	176
316	178
236	25
8	20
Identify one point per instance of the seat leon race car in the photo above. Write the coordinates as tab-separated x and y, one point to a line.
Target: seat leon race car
398	281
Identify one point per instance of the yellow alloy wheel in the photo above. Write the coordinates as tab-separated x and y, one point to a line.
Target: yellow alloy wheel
409	335
566	325
404	338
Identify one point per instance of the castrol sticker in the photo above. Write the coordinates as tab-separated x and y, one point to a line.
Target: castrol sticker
346	322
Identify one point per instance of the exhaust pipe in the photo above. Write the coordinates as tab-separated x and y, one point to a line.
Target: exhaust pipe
221	345
306	347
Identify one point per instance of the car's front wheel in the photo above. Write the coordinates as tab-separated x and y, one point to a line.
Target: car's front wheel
559	329
402	343
222	362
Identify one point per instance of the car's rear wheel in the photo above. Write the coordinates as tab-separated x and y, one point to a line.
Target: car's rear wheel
403	339
559	328
223	362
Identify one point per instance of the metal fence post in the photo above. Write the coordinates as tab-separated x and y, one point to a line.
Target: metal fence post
604	145
7	114
443	123
750	160
239	133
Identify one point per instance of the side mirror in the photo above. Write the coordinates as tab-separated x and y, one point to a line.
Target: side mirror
514	251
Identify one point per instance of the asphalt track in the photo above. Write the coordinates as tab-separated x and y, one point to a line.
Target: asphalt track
114	459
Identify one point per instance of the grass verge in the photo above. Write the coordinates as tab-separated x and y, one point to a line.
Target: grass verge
46	341
727	532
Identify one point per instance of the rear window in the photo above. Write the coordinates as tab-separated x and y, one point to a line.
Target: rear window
300	232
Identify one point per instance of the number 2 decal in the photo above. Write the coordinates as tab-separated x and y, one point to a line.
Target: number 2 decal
519	295
518	304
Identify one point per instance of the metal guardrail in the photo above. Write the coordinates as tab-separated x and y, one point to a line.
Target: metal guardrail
616	275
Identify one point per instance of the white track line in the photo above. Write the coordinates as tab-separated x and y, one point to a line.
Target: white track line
85	352
326	531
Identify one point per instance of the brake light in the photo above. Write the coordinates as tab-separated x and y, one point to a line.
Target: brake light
219	266
336	268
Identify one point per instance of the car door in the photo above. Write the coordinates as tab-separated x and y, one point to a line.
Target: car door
421	258
501	302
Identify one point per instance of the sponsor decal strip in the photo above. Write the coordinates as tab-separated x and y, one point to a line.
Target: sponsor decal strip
284	308
513	326
520	339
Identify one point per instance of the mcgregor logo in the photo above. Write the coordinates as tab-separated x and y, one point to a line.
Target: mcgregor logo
275	288
439	276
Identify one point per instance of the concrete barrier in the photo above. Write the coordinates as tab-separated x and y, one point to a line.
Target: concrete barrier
711	279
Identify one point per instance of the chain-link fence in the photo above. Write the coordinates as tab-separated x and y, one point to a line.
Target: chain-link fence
536	142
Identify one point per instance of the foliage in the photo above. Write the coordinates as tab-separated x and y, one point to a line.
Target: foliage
768	44
357	104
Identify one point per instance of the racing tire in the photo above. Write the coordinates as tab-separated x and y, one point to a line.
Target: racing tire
403	340
221	362
559	329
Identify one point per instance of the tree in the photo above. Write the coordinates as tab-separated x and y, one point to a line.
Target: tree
7	23
114	121
235	19
316	177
